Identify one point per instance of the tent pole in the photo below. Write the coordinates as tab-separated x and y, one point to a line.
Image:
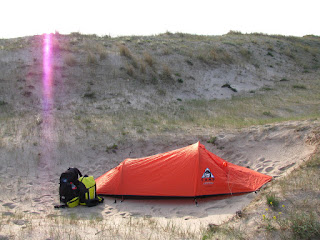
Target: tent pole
196	202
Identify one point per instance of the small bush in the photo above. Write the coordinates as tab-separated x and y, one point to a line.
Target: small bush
70	60
161	92
267	89
124	51
142	67
112	148
245	53
305	226
212	140
284	80
101	50
2	103
134	62
148	59
189	62
267	114
232	32
89	95
91	58
215	55
166	51
130	70
272	201
166	73
299	87
103	55
270	54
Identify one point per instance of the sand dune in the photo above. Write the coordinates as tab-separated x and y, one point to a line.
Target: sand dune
271	149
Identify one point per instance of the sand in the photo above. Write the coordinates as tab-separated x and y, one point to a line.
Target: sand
274	149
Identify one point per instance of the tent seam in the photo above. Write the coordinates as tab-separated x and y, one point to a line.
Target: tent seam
197	172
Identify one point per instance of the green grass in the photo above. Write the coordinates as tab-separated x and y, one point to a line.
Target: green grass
305	225
281	104
300	86
296	216
212	140
272	200
2	103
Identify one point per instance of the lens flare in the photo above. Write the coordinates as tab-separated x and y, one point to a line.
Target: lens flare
47	155
47	71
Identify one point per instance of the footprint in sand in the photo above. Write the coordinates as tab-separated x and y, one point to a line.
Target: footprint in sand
9	205
107	212
269	169
20	222
134	214
286	167
260	169
7	214
155	209
215	207
261	159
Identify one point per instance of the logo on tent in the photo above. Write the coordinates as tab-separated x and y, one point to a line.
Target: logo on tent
207	177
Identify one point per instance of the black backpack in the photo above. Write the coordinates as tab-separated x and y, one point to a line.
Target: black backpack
69	187
76	189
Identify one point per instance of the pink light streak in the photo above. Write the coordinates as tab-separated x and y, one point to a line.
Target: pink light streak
47	71
47	156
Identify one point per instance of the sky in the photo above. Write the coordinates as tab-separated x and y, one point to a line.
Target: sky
20	18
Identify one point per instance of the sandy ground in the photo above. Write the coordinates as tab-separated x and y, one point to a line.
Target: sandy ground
271	149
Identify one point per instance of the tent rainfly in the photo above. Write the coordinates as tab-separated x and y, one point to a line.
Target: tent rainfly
191	171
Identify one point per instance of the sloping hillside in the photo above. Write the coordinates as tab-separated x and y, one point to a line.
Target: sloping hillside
91	102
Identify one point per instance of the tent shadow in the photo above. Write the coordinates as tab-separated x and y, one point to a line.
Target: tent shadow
177	207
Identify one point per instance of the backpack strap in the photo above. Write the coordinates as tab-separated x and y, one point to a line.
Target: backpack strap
76	171
60	206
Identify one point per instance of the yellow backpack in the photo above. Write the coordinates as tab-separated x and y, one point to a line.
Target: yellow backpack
88	196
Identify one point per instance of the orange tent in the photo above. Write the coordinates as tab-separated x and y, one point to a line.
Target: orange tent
186	172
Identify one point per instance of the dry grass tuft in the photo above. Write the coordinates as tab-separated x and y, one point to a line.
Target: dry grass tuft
124	51
215	55
142	67
91	58
130	70
166	73
101	50
148	59
70	60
